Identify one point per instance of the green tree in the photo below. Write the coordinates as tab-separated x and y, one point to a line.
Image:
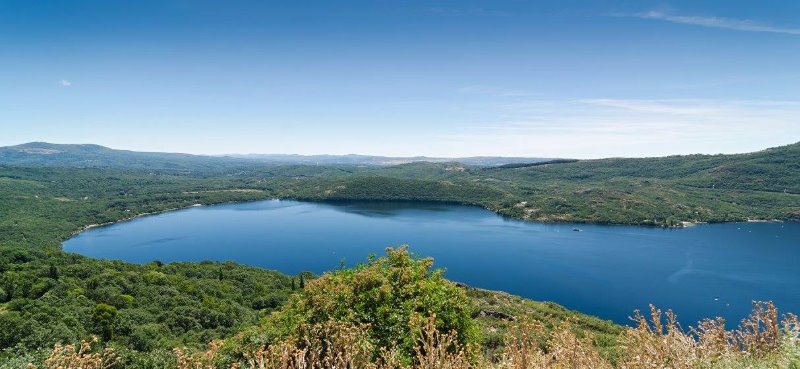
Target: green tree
390	295
10	332
105	316
53	272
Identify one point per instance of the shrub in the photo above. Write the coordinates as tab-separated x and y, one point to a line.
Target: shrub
146	337
389	296
105	317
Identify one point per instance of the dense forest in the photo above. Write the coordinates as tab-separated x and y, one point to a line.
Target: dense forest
48	296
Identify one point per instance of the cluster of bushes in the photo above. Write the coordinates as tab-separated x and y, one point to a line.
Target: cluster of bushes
386	299
50	297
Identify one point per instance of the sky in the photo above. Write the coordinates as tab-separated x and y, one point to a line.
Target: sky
579	79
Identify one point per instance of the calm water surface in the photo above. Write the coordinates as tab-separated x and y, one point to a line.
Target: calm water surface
607	271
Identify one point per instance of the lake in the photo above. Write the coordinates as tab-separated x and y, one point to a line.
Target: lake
705	270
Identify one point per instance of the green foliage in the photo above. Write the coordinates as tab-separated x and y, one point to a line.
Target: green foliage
186	302
391	295
552	316
53	272
105	317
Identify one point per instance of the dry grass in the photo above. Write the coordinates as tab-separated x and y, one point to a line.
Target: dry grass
657	341
760	338
330	345
200	360
80	357
435	349
562	350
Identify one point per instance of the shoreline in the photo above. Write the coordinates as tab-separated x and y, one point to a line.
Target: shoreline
98	225
680	225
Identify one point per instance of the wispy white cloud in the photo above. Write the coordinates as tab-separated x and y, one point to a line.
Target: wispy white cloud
64	83
715	22
603	127
653	106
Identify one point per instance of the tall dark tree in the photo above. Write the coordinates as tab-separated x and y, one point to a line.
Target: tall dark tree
53	272
105	316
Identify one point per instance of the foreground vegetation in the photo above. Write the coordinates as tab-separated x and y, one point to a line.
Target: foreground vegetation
396	312
148	308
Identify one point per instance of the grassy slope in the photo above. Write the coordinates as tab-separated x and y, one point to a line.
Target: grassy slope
493	328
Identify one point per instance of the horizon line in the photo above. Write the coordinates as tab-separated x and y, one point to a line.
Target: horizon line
234	155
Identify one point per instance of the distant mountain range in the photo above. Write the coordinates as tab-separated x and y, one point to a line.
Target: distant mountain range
96	156
354	159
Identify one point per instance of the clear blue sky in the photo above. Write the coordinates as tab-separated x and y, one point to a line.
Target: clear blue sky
456	78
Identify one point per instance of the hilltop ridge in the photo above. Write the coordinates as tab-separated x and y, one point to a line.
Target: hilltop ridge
97	156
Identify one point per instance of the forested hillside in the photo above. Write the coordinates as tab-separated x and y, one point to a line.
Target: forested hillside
650	191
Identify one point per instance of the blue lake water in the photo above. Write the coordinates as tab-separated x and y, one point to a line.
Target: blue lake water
706	270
